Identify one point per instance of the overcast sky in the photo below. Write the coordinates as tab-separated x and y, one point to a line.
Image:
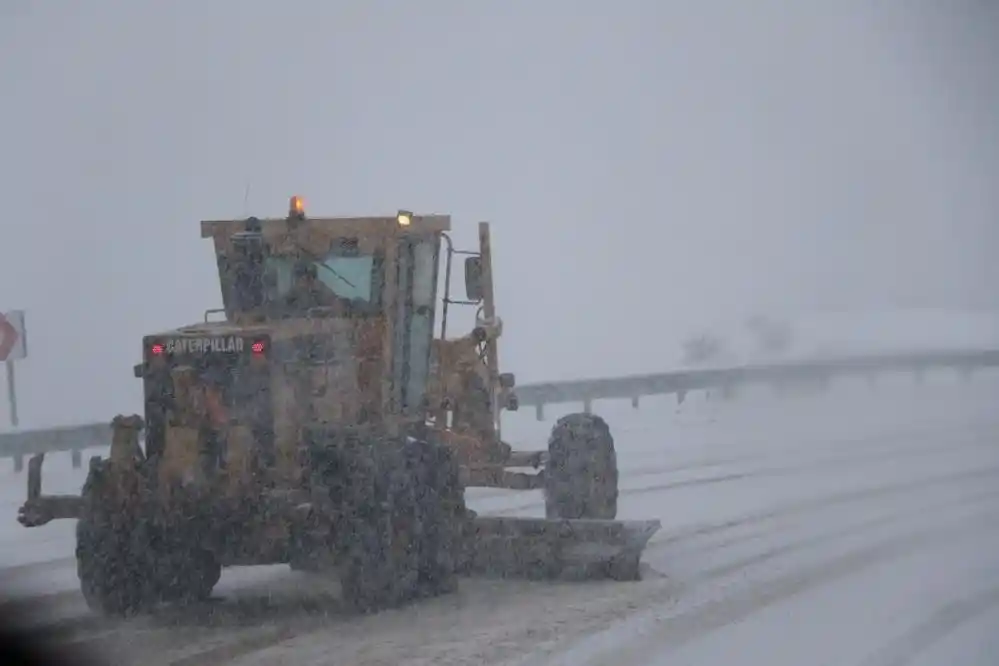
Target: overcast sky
647	165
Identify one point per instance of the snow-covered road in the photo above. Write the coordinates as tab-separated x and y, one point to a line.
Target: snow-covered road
855	528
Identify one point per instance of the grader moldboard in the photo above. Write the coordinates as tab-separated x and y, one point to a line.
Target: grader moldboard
322	424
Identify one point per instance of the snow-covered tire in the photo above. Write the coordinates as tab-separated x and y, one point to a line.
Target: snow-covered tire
185	572
443	517
127	561
401	531
581	477
110	553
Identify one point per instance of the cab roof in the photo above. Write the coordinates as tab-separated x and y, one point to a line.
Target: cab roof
274	228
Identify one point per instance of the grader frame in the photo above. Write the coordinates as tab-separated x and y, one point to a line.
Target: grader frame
308	473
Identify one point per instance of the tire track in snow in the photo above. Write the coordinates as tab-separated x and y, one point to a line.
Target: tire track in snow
867	455
940	624
604	613
237	644
271	635
688	533
531	630
68	624
268	635
831	536
685	535
668	634
597	612
208	633
30	567
878	450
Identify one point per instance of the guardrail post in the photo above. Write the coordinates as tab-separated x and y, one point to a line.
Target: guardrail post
18	463
539	411
77	458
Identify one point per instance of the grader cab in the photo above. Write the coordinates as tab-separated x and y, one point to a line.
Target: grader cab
320	420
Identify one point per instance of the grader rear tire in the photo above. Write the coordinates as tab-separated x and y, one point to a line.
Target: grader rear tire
110	559
581	476
400	535
126	562
186	573
443	517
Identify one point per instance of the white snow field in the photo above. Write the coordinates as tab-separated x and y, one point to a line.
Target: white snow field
858	527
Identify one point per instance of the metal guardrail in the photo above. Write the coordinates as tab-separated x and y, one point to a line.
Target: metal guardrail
819	370
74	439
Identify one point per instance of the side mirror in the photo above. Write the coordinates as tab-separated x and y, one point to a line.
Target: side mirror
507	380
473	279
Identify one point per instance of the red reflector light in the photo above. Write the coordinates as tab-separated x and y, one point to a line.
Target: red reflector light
257	347
156	349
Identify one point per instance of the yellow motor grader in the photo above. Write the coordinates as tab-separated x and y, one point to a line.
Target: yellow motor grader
318	419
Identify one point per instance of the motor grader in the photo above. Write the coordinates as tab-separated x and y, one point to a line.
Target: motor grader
319	419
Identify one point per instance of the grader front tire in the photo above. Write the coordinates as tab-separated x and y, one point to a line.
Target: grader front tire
581	476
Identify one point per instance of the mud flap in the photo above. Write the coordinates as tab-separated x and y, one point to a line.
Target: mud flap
540	548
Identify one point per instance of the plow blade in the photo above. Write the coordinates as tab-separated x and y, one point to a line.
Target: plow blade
39	509
542	548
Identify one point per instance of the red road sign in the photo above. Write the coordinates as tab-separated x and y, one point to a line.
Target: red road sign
8	337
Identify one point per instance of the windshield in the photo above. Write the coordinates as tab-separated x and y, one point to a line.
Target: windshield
346	272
